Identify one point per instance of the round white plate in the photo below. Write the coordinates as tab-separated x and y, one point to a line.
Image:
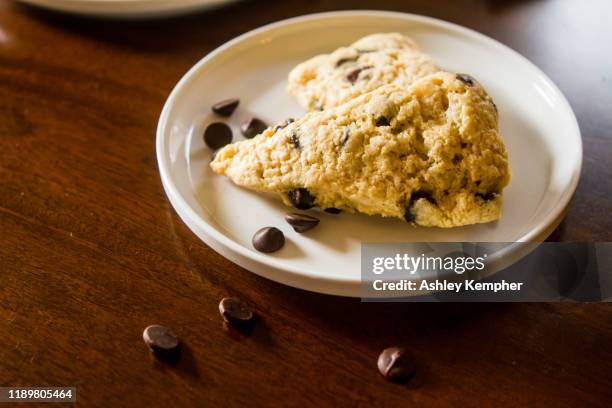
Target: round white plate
539	128
127	8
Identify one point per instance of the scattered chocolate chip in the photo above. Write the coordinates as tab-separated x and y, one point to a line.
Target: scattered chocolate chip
253	127
301	198
160	340
347	134
333	210
235	312
466	79
382	121
464	145
268	239
494	106
396	364
353	75
284	124
486	196
226	107
409	214
295	140
217	135
301	222
457	158
342	61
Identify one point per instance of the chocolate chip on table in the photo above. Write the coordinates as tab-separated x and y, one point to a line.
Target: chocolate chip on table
382	121
217	135
301	222
333	210
235	312
342	61
160	340
226	107
268	239
396	364
409	214
301	198
466	79
253	127
284	124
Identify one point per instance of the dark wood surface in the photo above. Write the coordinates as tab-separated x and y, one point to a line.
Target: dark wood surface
91	251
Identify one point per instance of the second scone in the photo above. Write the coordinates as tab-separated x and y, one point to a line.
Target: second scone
430	154
329	80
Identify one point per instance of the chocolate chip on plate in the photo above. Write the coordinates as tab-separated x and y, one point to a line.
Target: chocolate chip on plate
333	210
253	127
301	198
235	312
217	135
226	107
160	339
268	239
396	364
466	79
301	222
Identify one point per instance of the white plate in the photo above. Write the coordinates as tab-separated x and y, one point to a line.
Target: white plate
127	8
539	128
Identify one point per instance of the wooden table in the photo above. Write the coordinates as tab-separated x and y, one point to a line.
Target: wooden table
91	251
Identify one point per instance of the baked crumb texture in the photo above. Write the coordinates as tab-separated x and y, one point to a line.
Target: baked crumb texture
429	153
376	60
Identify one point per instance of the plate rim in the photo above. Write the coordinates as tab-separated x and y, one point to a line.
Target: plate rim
534	235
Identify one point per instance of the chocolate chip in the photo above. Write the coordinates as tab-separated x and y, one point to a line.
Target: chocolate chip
301	198
295	140
160	340
457	158
301	222
226	107
318	106
235	312
353	75
333	210
466	79
486	196
217	135
396	364
268	239
342	61
347	134
365	51
284	124
382	121
409	214
253	127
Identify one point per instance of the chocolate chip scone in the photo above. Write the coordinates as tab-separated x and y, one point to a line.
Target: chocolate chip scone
430	154
373	61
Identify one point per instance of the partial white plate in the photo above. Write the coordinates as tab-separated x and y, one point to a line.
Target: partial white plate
127	8
539	128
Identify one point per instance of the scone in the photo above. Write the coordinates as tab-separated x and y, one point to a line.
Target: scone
376	60
430	154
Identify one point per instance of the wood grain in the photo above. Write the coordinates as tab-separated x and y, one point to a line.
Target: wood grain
91	252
